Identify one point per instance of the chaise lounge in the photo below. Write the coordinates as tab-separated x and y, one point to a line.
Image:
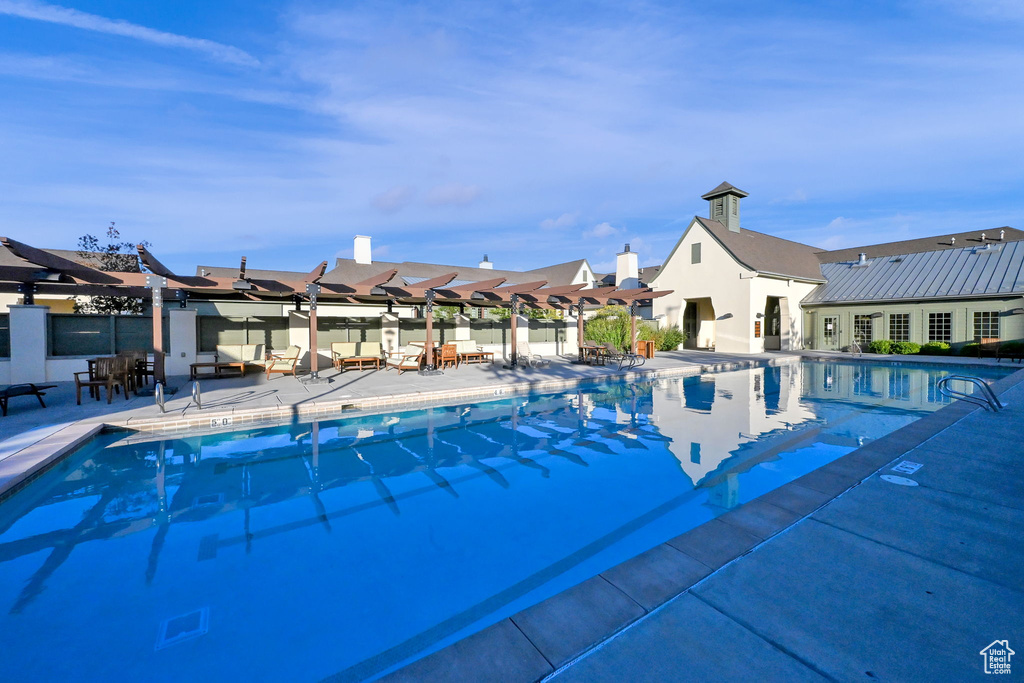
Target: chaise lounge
36	390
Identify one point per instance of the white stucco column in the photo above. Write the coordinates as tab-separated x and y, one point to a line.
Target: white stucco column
462	327
389	337
28	343
184	340
298	334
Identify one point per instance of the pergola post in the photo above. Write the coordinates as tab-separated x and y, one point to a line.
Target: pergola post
156	283
513	361
579	328
313	289
632	327
429	344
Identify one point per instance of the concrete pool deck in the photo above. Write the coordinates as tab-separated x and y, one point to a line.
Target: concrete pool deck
836	575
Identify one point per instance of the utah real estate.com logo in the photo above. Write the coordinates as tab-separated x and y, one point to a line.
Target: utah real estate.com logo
997	657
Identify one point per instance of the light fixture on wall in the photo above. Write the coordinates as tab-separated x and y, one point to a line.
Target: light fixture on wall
725	316
759	316
1015	311
876	315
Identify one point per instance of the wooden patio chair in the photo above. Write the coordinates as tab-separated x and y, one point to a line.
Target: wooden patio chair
284	363
139	366
448	356
403	361
111	373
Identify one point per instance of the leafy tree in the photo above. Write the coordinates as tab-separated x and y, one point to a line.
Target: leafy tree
114	256
532	313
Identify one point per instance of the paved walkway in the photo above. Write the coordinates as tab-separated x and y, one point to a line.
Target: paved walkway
885	582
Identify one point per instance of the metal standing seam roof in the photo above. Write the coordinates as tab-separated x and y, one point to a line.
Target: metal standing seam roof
951	273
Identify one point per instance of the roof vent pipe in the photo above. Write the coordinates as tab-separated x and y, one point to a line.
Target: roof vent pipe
626	249
862	259
1002	234
982	237
952	241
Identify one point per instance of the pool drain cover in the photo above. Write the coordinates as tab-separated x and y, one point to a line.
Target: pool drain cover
902	481
184	627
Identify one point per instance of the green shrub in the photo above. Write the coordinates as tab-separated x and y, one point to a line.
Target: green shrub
905	348
1012	348
611	324
970	349
669	339
880	346
935	349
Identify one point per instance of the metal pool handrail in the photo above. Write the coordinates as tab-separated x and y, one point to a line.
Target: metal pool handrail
985	397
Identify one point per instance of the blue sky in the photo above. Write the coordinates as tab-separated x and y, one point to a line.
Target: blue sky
533	132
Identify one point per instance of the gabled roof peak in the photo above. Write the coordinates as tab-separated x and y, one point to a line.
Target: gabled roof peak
724	188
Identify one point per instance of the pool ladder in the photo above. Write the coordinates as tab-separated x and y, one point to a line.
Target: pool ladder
984	397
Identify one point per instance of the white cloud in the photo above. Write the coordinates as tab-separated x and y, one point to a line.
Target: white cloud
395	199
566	220
797	196
453	195
601	230
54	14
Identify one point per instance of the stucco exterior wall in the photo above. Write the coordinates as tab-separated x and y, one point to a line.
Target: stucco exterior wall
790	293
737	293
1010	326
717	277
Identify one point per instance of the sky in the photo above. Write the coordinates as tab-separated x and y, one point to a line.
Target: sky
536	133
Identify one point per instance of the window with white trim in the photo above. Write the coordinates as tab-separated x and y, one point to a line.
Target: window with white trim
986	325
940	327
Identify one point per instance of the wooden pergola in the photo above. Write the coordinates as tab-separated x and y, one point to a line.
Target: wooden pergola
49	274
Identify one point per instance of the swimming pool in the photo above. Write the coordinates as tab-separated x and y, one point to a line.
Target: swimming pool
352	546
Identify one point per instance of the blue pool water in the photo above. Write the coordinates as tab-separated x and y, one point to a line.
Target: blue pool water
353	546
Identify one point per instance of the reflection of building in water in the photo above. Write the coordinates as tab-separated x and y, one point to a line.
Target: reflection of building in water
716	414
871	384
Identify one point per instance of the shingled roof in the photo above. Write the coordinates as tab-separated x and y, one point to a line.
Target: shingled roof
925	244
767	254
90	259
724	188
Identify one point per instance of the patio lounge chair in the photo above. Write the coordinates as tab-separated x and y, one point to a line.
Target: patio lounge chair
10	392
527	357
403	361
285	363
112	373
624	358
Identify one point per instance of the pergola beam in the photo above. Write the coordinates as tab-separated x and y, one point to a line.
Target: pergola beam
45	259
157	268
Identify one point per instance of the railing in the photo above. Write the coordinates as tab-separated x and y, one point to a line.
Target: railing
984	397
